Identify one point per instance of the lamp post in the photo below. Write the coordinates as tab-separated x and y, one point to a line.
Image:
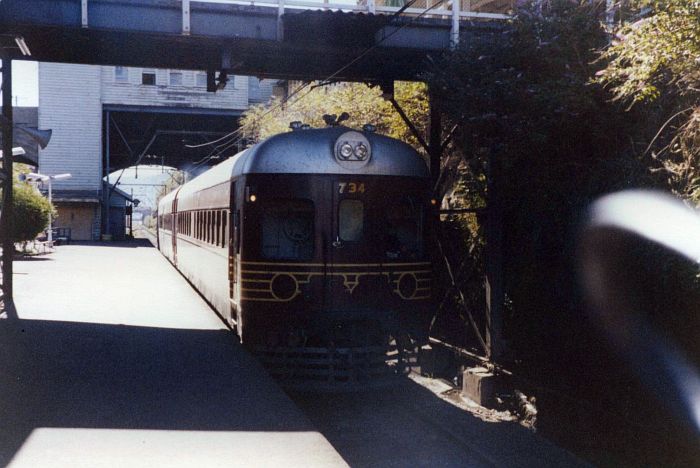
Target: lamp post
49	179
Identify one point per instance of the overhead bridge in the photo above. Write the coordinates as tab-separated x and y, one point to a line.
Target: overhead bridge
293	39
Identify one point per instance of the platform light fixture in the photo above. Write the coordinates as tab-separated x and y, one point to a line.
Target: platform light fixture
19	40
16	151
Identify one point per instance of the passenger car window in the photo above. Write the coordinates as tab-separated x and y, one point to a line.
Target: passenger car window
287	229
351	220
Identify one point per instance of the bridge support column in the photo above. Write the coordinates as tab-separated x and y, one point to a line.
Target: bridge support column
106	187
454	32
280	27
435	145
8	246
84	13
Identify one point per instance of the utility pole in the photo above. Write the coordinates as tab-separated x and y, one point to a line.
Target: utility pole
7	220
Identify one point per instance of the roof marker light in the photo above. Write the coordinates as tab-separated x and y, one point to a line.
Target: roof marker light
369	128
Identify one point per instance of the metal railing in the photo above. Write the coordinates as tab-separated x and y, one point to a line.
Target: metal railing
454	10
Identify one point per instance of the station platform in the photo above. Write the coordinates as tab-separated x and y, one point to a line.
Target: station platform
109	358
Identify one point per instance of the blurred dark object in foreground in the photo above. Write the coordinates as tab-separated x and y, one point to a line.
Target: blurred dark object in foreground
633	242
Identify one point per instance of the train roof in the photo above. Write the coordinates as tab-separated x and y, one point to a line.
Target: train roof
311	152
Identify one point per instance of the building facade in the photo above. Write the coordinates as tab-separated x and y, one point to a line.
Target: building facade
101	117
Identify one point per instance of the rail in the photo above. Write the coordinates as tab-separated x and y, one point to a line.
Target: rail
455	10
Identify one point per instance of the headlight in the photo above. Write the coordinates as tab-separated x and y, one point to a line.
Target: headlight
361	151
346	150
352	150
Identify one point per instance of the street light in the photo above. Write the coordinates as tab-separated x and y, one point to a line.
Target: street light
45	178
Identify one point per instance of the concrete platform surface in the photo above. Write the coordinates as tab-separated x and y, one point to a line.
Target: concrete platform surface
109	358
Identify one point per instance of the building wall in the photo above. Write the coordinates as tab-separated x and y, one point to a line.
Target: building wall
131	91
79	217
71	100
70	105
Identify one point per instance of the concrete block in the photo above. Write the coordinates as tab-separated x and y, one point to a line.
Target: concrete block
479	384
426	361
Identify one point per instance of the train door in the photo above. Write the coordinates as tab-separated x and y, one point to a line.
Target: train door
233	253
174	230
349	250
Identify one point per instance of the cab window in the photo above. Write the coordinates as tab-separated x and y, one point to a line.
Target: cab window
351	220
287	229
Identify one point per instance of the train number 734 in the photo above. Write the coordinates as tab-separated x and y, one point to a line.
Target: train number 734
351	187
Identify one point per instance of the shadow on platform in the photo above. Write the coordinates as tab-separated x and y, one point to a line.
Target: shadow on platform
408	425
82	375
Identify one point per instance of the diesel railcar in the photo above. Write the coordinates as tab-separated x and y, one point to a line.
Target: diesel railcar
311	245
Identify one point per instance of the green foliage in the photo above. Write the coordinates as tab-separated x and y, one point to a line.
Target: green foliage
656	54
31	212
655	62
552	141
364	104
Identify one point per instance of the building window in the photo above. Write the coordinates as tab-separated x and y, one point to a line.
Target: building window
148	77
175	78
201	80
121	74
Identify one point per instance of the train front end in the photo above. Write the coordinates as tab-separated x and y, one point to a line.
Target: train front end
335	281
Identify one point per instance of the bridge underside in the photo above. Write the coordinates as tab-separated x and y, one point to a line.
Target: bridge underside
245	40
153	135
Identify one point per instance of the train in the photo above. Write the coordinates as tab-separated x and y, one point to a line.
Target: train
312	245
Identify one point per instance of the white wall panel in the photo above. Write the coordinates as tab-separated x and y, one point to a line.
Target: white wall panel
133	93
69	104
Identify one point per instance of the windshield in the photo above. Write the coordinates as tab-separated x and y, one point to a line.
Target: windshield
404	230
288	229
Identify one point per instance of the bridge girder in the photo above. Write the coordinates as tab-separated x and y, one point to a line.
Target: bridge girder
245	40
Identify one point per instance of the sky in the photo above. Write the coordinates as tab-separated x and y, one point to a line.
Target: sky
25	83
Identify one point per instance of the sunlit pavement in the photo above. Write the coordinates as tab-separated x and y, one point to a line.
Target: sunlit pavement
113	360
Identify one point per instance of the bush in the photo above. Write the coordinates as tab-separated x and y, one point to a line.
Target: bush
31	213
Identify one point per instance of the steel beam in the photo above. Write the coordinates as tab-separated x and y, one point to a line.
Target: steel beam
7	220
435	140
454	30
495	296
135	33
186	17
84	13
106	194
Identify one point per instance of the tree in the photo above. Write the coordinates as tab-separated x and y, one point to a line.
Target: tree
31	212
523	97
364	104
528	103
654	63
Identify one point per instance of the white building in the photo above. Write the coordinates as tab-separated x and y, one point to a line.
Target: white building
103	118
